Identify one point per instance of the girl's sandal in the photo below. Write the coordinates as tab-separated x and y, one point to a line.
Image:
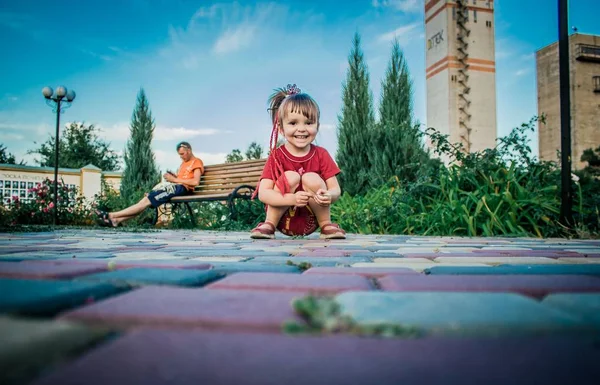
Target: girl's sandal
332	231
261	233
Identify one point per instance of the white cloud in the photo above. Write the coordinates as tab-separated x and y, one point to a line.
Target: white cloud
120	132
403	34
29	130
407	6
182	133
219	29
206	12
210	158
521	72
6	136
327	127
234	39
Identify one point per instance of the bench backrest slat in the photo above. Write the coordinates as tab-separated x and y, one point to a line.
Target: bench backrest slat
222	179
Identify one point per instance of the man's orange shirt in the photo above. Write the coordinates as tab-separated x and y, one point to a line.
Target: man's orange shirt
186	170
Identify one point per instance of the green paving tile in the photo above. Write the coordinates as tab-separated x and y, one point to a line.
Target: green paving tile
591	269
459	313
155	276
584	305
27	346
35	297
240	267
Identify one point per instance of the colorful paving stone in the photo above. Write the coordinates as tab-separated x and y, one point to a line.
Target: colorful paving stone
155	276
362	271
588	269
153	357
114	264
162	333
27	346
314	283
584	305
255	267
36	297
187	307
533	285
46	271
458	313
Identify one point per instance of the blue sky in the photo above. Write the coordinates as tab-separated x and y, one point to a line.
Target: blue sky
208	67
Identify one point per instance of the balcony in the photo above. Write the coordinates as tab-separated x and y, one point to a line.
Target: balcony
587	52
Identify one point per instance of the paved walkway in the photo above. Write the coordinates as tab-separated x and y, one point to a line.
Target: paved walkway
181	307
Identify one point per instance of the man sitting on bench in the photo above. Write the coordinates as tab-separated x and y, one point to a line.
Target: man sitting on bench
188	177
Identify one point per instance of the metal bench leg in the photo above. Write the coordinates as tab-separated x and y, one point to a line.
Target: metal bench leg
189	210
231	207
155	219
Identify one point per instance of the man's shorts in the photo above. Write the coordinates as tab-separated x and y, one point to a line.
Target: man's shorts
160	197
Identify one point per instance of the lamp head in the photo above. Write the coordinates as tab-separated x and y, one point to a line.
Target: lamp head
61	92
70	95
47	92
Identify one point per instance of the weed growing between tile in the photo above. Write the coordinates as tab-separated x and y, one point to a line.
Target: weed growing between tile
322	315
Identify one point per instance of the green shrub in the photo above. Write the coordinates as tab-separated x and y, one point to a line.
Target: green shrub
499	191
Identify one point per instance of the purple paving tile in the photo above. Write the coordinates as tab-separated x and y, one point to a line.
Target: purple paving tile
31	270
446	254
331	253
314	283
530	253
369	272
533	285
114	264
184	307
159	357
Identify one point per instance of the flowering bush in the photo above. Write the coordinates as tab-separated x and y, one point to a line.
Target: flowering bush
39	209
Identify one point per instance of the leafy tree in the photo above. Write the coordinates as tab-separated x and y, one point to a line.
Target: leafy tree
6	157
397	149
254	151
234	156
141	172
78	146
355	124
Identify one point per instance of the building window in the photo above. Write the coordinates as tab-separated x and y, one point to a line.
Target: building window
488	24
474	2
596	80
453	13
474	16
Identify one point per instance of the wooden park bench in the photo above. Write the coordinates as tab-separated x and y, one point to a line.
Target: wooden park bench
223	182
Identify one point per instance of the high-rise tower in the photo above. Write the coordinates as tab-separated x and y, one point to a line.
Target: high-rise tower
461	71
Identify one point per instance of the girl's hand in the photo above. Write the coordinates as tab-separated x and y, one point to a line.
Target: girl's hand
302	198
322	197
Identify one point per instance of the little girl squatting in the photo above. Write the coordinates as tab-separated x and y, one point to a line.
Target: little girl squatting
298	183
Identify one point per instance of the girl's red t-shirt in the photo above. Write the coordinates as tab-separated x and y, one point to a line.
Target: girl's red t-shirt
317	160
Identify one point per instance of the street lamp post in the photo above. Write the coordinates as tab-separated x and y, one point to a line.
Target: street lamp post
59	100
566	198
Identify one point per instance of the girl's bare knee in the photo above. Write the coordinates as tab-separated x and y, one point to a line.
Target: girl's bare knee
312	181
293	179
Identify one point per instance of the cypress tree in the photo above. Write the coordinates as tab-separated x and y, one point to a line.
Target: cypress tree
397	147
141	172
355	124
